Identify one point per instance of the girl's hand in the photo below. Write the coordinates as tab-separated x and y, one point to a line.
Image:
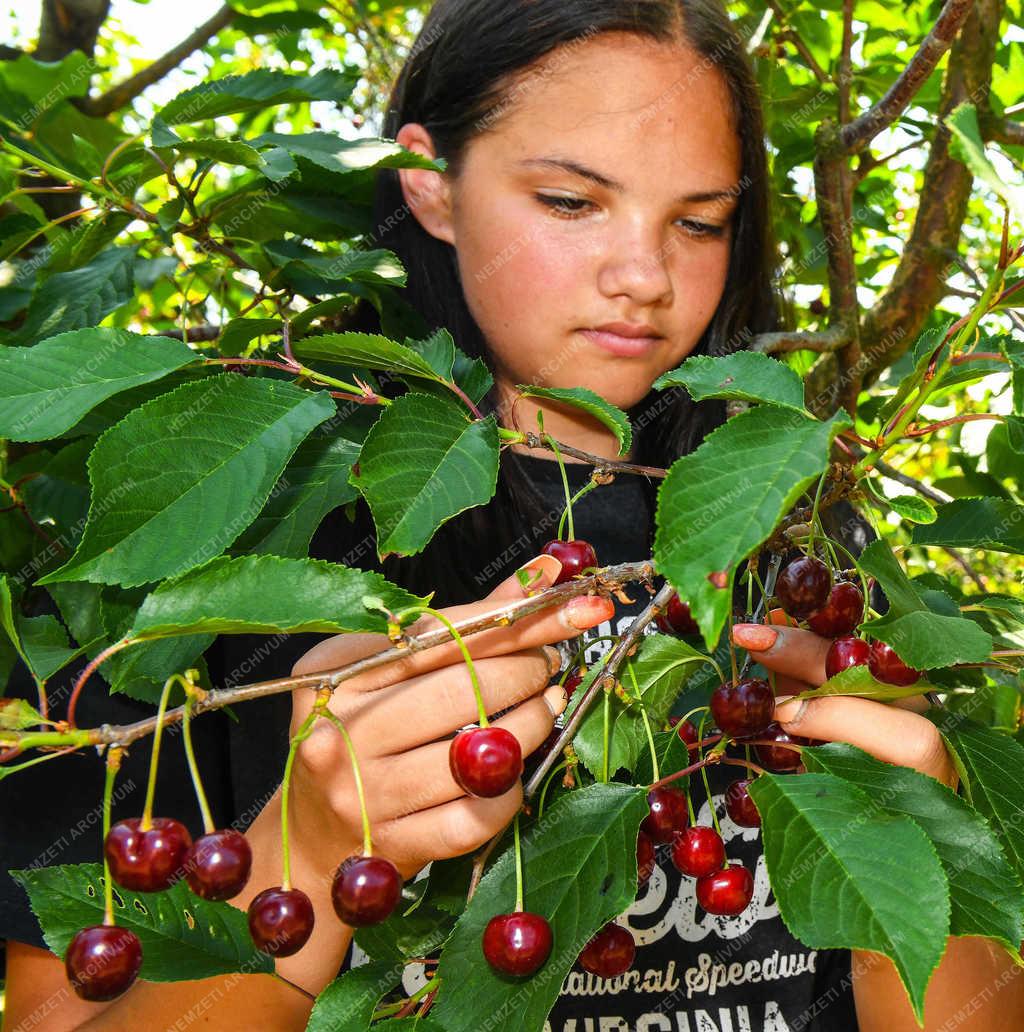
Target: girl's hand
401	717
893	732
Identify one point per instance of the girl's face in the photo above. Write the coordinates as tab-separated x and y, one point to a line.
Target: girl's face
604	194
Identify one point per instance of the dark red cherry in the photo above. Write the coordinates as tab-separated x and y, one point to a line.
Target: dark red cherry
744	708
804	586
677	619
698	852
572	682
149	860
485	761
645	861
668	813
740	806
886	666
841	614
728	891
517	944
280	921
686	730
777	758
102	962
844	653
610	952
575	557
365	890
218	864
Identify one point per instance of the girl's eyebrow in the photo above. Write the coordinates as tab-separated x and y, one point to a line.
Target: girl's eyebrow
574	167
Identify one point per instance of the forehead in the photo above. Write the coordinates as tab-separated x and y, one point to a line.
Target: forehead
630	106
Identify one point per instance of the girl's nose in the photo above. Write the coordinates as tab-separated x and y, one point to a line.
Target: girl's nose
636	265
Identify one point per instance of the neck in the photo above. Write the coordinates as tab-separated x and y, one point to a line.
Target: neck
565	423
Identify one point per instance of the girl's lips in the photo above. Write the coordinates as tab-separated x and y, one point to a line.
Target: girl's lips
627	347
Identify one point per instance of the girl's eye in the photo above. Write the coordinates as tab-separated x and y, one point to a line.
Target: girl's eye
573	207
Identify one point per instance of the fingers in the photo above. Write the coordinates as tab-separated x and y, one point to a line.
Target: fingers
786	650
892	735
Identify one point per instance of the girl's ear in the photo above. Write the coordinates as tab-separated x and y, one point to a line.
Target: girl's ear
427	194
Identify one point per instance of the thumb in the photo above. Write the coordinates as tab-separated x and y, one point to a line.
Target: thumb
540	572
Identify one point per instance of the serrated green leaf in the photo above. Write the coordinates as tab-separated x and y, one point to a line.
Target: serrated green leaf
343	156
845	874
579	871
422	463
991	523
911	507
365	350
969	148
722	501
177	480
17	715
233	94
420	934
879	561
40	641
859	682
224	152
928	640
593	404
349	1001
257	594
183	937
744	376
986	895
45	390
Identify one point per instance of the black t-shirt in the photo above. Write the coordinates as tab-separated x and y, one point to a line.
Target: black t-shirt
693	972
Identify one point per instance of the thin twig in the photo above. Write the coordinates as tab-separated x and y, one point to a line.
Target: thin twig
599	462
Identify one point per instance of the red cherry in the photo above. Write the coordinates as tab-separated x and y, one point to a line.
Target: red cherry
149	860
218	864
677	618
843	611
485	761
804	586
610	952
698	852
645	861
778	758
102	962
575	557
740	806
845	653
517	944
728	891
886	666
365	890
572	682
280	921
686	730
668	813
744	708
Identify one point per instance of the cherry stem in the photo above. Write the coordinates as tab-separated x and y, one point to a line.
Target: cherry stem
553	445
544	790
336	721
154	759
193	767
457	638
707	790
114	754
732	651
577	659
814	513
305	730
519	864
90	668
585	490
607	731
735	762
647	724
956	421
460	393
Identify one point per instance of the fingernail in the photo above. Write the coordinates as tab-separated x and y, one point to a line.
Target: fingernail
587	611
541	572
556	699
554	659
754	637
788	710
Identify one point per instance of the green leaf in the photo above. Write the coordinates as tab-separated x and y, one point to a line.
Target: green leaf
719	503
423	463
991	523
349	1001
420	934
313	483
17	715
177	480
593	404
847	875
45	390
662	666
879	561
224	152
991	765
859	682
364	350
82	297
742	376
579	872
233	94
343	156
40	641
314	275
268	595
969	148
451	364
183	937
911	507
927	641
986	896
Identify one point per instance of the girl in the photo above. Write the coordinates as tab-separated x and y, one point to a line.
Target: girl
603	216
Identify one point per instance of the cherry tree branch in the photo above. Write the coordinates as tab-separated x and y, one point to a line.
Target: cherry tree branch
822	341
599	462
